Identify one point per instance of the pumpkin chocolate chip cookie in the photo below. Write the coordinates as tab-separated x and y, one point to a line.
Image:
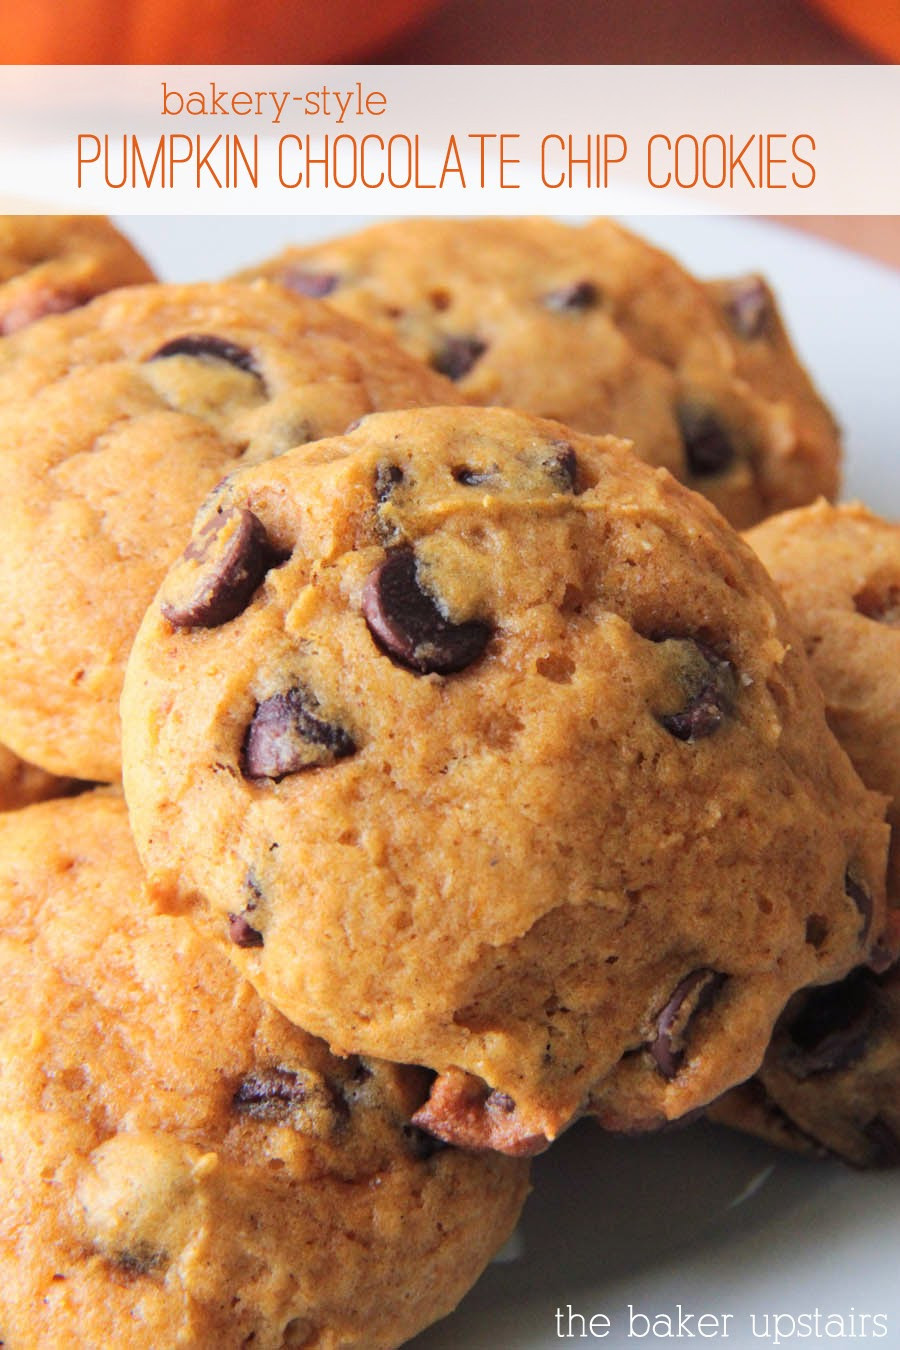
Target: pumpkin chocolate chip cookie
831	1079
115	422
181	1166
591	325
50	264
480	744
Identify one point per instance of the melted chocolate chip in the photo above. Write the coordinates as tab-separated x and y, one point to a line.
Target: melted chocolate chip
285	736
387	478
831	1030
299	1098
884	1142
457	355
707	445
407	624
691	997
241	932
574	298
863	902
313	284
208	345
710	689
219	571
747	306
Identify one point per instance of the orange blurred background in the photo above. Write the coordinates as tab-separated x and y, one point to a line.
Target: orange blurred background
457	31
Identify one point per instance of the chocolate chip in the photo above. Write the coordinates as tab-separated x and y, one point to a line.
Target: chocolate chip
884	1141
475	477
285	736
578	296
832	1028
299	1098
219	571
142	1259
387	478
692	996
710	690
463	1111
457	356
241	933
407	624
563	468
862	900
208	345
747	306
313	284
707	445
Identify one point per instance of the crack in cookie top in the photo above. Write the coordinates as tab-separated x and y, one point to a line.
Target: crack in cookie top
509	764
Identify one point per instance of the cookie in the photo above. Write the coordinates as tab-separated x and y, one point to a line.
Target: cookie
509	764
22	784
50	264
830	1082
178	1164
766	360
115	422
591	325
838	568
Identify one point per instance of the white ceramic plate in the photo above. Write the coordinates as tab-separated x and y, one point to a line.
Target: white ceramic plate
699	1221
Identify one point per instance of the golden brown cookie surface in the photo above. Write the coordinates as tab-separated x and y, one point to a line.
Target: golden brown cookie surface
831	1078
514	744
22	784
807	463
50	264
838	568
116	421
594	327
179	1165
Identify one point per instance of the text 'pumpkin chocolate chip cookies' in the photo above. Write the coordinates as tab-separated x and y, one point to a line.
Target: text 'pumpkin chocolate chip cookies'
592	325
181	1166
50	264
115	423
482	745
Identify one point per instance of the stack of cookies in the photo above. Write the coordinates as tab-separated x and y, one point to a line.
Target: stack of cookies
477	779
